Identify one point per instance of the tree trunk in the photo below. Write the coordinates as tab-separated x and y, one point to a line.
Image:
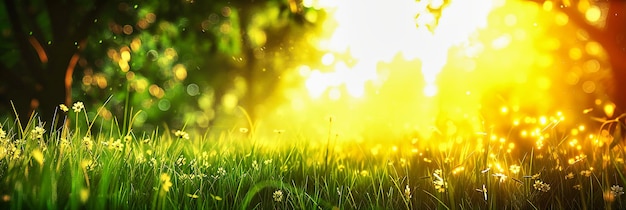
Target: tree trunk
54	89
614	42
249	101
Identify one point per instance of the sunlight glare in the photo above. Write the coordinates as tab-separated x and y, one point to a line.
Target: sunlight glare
399	28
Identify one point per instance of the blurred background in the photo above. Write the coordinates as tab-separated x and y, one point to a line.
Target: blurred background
372	71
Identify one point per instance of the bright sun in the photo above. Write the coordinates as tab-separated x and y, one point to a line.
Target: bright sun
373	31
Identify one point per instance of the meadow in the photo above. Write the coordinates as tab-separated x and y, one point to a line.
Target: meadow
70	166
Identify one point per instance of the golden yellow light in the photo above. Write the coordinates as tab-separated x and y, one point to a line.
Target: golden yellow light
593	14
180	72
404	68
377	31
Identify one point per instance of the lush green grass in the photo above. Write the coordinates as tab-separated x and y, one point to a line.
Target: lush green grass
73	168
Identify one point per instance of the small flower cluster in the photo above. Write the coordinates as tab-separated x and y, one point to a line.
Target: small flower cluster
181	161
255	165
617	190
88	165
114	145
191	177
570	175
3	134
578	187
65	144
586	173
8	148
140	158
37	132
181	134
278	196
219	173
77	107
541	186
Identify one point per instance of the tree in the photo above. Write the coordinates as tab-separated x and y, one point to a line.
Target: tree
41	48
47	45
611	35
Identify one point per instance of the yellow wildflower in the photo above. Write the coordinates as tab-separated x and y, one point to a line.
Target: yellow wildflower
88	143
166	183
63	108
37	132
569	176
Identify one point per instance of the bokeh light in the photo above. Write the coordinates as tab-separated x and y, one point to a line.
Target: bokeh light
453	71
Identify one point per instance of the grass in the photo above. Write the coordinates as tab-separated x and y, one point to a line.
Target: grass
70	167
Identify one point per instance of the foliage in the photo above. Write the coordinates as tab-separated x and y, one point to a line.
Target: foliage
191	62
155	56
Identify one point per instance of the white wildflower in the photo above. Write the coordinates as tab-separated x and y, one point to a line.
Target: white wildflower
407	192
221	171
181	134
78	106
617	190
278	195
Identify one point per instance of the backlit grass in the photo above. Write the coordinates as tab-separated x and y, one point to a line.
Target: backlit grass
72	167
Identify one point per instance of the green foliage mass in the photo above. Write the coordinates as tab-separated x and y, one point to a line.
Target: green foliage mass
215	42
183	57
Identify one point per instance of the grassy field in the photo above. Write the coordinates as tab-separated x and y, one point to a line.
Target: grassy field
74	168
